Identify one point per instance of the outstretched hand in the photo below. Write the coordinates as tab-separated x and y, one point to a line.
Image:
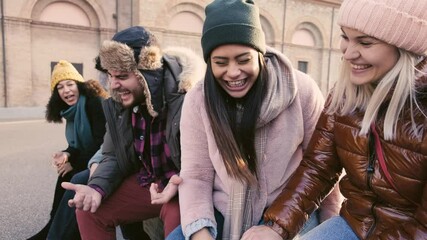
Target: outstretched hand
86	198
168	193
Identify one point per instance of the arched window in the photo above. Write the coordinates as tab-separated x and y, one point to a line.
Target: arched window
268	31
66	13
307	34
186	22
303	37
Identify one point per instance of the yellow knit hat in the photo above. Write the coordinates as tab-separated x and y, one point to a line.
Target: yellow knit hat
64	70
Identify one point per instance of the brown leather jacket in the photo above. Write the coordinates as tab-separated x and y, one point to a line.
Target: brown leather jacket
373	208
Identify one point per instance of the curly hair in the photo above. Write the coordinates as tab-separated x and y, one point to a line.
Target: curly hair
91	88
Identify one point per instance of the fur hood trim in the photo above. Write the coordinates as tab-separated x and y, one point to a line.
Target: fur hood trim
120	57
193	67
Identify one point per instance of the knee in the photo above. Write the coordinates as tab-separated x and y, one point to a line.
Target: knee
170	210
81	177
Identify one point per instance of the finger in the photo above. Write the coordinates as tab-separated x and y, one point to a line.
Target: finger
158	201
154	190
78	200
175	179
87	203
71	203
95	205
64	173
96	202
70	186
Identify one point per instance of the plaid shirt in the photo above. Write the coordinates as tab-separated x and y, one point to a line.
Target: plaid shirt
151	148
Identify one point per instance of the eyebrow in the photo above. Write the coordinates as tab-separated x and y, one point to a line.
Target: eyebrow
367	37
119	74
238	56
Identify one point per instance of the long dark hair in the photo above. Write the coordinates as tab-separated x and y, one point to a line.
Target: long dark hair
55	105
236	140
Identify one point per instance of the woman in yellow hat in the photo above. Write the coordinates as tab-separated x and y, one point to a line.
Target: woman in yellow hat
79	103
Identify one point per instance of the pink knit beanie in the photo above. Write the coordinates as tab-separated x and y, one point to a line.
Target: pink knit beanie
402	23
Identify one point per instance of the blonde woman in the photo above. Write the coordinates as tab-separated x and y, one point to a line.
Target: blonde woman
374	127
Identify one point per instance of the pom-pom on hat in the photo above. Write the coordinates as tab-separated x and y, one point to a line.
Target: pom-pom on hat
64	70
402	23
232	22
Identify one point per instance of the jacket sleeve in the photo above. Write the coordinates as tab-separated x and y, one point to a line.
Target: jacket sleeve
312	181
416	229
313	104
107	175
197	172
79	159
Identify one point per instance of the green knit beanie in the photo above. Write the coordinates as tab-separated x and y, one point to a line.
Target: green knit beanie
232	22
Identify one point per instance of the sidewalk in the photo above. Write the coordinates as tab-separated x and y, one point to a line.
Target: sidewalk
21	113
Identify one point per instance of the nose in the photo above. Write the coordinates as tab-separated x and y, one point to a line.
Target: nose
114	83
67	89
233	70
350	51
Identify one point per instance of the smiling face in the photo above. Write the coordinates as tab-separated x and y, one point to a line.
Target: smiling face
126	87
68	91
235	68
370	59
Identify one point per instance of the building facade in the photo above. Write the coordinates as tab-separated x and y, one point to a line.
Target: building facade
35	34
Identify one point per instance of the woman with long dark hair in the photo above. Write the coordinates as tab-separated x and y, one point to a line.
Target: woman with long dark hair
244	129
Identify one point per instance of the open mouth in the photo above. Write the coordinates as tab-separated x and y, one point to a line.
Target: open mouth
69	98
236	84
360	67
123	94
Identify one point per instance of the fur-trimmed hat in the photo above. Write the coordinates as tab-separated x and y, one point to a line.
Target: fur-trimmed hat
64	70
132	50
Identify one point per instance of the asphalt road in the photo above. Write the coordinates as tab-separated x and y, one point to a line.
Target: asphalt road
27	180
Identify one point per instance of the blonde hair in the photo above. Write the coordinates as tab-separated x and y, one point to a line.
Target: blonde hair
400	79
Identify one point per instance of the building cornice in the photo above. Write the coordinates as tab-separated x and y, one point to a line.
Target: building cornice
332	3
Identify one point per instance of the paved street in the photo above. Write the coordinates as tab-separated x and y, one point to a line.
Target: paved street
26	176
27	180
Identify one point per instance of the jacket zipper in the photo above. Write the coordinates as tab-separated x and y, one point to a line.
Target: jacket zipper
371	229
370	172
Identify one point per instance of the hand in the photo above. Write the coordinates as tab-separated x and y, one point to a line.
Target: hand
60	158
202	234
168	193
86	198
64	168
93	168
260	232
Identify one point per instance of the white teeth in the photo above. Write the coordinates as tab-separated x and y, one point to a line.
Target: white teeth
123	93
238	83
359	67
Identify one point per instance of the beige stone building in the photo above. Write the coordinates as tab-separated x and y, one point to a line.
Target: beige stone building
35	34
